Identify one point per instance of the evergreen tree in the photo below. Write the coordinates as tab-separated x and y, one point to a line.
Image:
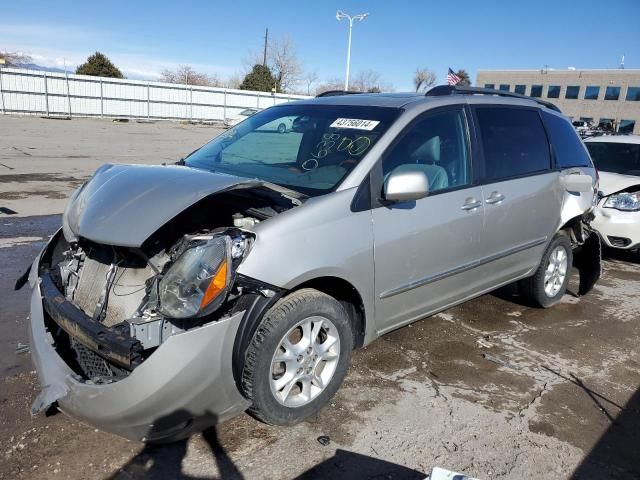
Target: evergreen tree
98	65
465	80
259	79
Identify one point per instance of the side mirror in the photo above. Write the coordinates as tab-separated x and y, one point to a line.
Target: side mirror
578	183
406	185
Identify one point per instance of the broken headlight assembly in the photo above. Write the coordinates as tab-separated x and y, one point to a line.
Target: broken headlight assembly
624	201
198	281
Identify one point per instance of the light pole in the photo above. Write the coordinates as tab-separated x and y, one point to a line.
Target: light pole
339	16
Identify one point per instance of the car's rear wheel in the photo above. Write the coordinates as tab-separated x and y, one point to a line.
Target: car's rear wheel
547	286
298	357
282	128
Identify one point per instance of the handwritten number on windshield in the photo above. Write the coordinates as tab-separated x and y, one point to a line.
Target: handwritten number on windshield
329	140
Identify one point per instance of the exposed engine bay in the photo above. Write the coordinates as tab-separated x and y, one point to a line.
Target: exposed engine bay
129	300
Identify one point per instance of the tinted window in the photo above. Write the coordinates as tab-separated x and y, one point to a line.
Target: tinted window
612	93
616	157
513	141
591	93
504	87
567	146
573	91
553	91
633	94
436	145
536	90
492	86
521	89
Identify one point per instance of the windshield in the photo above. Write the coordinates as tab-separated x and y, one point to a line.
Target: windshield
307	148
616	157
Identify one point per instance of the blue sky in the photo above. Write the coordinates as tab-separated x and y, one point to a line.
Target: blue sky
143	37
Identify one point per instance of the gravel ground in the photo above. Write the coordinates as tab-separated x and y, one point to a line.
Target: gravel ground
492	388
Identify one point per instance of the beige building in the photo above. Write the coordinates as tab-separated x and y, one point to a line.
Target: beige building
602	97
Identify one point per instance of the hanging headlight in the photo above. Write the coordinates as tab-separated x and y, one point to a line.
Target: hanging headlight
197	283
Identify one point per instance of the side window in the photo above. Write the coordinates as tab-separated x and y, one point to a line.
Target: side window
513	141
567	146
438	145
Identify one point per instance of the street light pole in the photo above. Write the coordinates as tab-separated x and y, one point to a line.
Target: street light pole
339	16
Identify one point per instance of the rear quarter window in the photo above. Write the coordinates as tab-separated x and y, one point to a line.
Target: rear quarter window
514	142
568	148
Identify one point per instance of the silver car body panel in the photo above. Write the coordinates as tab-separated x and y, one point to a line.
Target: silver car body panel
124	204
190	373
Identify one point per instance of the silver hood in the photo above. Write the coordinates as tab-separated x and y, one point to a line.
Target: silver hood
125	204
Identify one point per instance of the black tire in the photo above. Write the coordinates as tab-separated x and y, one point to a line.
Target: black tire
282	128
533	288
280	319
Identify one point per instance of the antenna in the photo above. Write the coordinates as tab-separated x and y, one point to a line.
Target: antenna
622	62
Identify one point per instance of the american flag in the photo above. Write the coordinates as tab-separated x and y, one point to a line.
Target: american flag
452	78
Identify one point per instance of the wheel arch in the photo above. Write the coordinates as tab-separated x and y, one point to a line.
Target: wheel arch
347	294
256	306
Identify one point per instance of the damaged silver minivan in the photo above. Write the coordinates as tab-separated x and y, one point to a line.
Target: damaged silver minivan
241	278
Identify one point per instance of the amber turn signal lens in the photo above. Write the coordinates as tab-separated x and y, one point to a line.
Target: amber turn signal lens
217	285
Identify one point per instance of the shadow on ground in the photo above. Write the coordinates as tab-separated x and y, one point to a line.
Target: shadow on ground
617	453
164	462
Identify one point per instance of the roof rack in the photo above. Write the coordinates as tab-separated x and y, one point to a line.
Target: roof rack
441	90
335	93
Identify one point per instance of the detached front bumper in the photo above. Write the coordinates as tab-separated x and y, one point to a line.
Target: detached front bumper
617	229
186	385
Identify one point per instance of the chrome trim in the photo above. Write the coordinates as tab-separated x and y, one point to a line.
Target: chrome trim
462	268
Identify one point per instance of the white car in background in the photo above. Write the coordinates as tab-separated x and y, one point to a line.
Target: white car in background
282	125
235	118
617	159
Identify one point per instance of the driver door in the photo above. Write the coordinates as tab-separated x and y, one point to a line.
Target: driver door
425	250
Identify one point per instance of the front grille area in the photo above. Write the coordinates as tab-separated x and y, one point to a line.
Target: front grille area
93	366
620	242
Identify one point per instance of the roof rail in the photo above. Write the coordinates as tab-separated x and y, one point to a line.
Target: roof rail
335	93
441	90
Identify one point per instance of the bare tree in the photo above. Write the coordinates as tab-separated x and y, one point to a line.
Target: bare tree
330	84
12	59
369	81
423	79
234	81
284	63
187	75
310	78
282	60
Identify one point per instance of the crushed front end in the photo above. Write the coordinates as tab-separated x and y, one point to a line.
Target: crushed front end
140	340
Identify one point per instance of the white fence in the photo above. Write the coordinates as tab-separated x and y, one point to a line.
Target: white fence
59	94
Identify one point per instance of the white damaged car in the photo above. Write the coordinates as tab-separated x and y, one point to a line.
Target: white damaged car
617	216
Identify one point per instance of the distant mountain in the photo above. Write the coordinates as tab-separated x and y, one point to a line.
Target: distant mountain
33	66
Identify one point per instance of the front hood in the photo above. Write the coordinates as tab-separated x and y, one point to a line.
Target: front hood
125	204
615	182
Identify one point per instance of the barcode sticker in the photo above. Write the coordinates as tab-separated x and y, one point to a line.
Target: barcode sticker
354	123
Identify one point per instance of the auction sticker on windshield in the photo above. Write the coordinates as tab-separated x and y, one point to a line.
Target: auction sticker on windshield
354	123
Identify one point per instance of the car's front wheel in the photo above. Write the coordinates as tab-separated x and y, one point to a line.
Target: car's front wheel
282	128
549	283
298	357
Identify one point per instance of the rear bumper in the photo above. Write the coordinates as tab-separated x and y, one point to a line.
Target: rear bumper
610	222
187	384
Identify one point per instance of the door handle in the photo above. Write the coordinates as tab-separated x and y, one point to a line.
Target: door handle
495	198
471	204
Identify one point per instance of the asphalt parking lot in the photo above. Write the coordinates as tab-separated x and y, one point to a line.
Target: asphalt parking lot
492	388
